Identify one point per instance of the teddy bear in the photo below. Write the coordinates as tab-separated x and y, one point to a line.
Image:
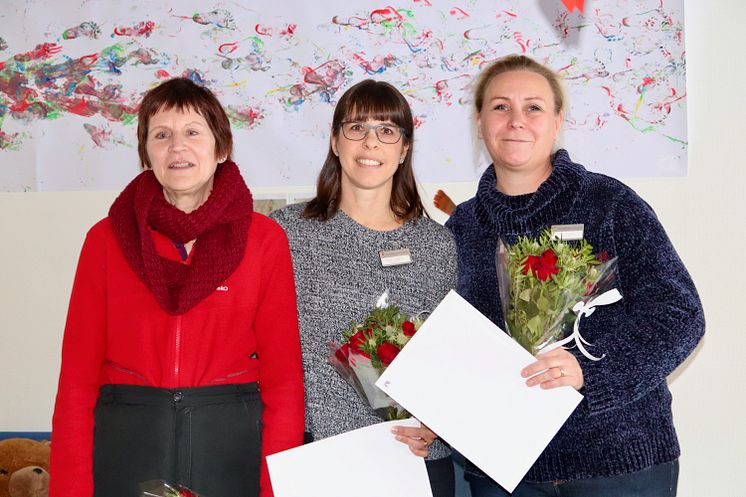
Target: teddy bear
31	481
24	466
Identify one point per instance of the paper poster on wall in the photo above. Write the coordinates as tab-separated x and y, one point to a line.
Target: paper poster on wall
72	73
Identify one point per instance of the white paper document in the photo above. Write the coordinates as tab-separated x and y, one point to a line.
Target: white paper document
460	376
368	462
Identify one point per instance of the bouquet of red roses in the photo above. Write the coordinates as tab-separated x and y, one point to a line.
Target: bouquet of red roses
159	488
546	285
366	350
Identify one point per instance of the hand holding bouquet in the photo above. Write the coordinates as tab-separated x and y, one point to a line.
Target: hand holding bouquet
542	281
368	347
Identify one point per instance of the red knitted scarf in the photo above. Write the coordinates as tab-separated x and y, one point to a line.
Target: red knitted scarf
219	226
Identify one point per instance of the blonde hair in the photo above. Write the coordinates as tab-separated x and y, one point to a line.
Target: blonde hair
518	63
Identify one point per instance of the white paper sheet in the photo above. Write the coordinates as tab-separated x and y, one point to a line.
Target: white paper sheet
460	376
368	462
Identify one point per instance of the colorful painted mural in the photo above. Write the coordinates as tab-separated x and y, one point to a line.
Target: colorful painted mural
72	74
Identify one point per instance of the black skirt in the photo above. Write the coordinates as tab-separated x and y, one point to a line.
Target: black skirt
205	438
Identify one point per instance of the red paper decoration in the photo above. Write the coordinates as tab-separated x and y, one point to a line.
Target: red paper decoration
571	4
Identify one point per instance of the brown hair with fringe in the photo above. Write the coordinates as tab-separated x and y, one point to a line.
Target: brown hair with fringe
380	101
183	94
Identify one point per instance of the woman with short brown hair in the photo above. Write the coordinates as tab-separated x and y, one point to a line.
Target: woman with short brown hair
181	358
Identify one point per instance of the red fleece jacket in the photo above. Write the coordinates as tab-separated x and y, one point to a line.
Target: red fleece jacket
116	333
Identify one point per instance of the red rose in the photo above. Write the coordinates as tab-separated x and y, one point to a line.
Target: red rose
542	266
343	353
387	352
408	328
356	342
532	263
603	256
548	265
185	492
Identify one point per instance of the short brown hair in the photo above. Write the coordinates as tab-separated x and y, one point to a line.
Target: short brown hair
518	63
380	101
183	94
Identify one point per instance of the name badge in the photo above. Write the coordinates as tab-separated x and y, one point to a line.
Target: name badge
567	232
395	257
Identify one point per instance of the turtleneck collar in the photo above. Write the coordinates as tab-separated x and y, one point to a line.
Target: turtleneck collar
502	214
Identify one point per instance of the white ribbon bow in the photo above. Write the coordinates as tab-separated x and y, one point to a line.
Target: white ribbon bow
586	309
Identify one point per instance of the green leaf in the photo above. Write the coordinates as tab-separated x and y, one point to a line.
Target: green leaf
535	325
542	303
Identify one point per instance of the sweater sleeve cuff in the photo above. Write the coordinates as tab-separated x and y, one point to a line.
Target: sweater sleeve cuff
597	399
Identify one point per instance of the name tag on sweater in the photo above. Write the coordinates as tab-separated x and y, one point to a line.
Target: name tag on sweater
395	257
567	232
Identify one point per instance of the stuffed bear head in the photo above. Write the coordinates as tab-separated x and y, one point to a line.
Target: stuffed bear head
31	481
24	466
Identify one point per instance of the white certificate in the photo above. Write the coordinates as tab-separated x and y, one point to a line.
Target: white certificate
460	376
368	462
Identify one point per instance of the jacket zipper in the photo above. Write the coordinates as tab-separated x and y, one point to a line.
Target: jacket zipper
177	352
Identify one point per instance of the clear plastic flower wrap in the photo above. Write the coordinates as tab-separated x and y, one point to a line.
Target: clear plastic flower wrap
159	488
366	350
547	284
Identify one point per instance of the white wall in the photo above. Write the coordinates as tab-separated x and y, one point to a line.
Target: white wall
703	214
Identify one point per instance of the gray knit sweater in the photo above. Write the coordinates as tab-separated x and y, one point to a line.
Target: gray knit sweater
338	278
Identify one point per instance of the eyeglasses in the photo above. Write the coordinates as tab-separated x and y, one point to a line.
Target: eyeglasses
386	133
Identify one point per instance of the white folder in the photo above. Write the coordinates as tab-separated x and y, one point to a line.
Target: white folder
460	376
368	462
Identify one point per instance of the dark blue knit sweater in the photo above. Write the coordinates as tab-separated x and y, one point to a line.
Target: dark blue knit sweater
624	423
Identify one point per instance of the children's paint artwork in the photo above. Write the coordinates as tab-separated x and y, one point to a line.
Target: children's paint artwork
73	72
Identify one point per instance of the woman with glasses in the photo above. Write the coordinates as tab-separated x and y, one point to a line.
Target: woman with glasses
366	205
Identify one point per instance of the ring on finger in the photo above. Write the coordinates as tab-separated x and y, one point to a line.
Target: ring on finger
562	372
